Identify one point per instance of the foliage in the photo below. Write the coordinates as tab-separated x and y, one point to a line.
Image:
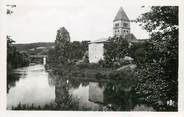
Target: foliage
142	107
158	73
78	49
62	45
115	50
119	96
68	104
15	58
51	56
142	52
66	52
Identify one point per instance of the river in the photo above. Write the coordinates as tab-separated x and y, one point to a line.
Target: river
33	85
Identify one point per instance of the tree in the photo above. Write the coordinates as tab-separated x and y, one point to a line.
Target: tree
14	57
62	43
158	76
51	56
66	52
115	50
76	50
141	52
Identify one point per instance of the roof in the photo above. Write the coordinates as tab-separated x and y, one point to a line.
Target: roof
100	40
130	37
121	15
139	40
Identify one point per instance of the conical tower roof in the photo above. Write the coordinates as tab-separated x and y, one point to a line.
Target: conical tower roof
121	15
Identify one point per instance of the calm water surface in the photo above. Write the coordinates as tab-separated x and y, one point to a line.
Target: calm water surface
34	85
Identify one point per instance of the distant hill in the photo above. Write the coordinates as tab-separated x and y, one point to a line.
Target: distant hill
29	46
40	48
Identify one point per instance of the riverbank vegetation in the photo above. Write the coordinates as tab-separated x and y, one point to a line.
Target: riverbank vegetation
15	58
67	104
158	72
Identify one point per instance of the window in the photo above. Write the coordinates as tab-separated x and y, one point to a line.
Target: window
125	25
117	24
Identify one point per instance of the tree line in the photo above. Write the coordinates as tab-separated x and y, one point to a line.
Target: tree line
15	58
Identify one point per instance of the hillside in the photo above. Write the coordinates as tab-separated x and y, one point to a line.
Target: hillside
26	47
35	48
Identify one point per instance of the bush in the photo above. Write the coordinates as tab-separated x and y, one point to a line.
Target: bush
115	49
83	65
101	63
100	76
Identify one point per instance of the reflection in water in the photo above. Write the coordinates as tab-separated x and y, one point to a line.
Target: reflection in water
118	97
12	78
51	80
63	99
95	96
112	95
32	88
35	86
82	93
96	93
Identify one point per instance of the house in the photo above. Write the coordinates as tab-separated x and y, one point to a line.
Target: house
96	50
121	27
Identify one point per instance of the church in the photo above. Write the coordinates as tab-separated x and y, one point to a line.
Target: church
121	27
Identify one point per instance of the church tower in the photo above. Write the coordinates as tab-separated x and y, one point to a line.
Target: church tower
121	24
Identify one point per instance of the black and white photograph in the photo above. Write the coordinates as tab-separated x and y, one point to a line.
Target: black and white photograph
77	55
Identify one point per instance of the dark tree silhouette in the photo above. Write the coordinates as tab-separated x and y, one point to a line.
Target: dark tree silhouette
158	75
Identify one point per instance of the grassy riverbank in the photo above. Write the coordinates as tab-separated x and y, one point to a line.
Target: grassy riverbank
90	72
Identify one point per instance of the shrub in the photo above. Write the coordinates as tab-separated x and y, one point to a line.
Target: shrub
83	65
100	76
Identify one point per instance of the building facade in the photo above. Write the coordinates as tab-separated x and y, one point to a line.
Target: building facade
96	50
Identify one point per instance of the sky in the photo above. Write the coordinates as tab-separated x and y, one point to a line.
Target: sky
39	20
